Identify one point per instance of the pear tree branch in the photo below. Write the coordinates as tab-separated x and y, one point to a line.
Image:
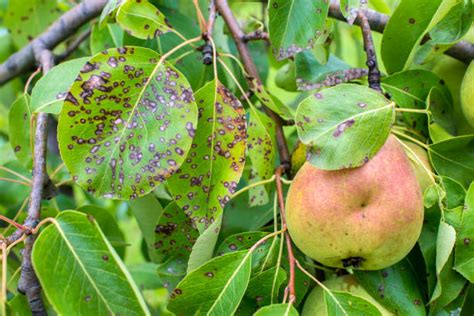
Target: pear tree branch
60	30
374	72
239	38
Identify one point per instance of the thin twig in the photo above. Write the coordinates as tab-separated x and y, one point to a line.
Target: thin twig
256	35
60	30
15	181
238	35
73	46
19	175
374	72
462	50
291	257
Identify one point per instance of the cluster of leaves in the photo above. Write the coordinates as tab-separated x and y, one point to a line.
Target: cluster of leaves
156	145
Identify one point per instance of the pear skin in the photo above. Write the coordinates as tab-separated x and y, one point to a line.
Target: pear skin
367	218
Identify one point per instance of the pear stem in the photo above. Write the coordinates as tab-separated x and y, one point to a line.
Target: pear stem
421	111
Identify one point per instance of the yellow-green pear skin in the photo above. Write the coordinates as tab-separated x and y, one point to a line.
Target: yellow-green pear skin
315	305
467	94
421	172
367	218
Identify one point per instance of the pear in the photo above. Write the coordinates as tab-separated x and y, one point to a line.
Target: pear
315	305
367	218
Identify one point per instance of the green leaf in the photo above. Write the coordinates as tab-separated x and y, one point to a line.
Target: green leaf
464	251
26	19
109	11
175	234
454	158
94	280
395	288
311	74
203	249
261	286
147	211
126	123
19	128
444	245
410	89
208	178
350	9
261	152
246	240
344	303
215	288
104	38
442	112
345	125
108	225
454	192
295	25
142	19
277	310
50	91
270	101
406	29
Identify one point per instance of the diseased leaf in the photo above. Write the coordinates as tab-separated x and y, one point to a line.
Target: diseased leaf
442	112
174	234
94	279
410	89
406	28
261	285
147	211
464	251
26	19
395	288
19	129
215	288
295	25
345	125
454	158
127	123
209	176
261	152
311	75
50	91
277	310
244	241
270	101
142	19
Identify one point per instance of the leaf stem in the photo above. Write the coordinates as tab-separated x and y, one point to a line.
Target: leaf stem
15	181
408	110
15	173
253	185
12	222
416	141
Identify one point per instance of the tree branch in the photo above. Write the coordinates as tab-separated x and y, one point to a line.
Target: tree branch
374	72
238	36
463	50
64	27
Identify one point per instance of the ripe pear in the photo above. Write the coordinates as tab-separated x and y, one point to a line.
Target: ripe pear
467	94
315	305
367	218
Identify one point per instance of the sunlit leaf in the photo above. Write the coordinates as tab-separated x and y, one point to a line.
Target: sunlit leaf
104	38
464	253
50	91
277	310
142	19
19	128
215	288
127	123
345	304
94	279
345	125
